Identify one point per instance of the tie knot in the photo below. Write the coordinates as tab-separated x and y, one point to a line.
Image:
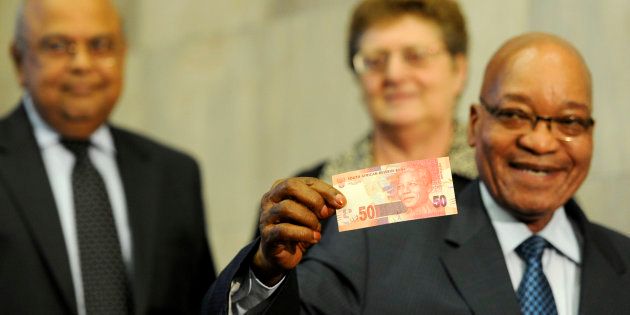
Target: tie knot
532	248
77	147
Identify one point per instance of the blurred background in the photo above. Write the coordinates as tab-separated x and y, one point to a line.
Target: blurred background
258	89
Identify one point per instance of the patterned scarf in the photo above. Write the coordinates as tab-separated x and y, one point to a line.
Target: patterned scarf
462	157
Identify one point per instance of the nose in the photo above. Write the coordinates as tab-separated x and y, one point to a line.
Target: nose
540	140
544	120
405	189
396	68
81	59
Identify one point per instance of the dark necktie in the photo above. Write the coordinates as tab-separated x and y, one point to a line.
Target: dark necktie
534	293
102	269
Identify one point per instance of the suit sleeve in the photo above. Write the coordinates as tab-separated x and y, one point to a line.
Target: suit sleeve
217	299
330	279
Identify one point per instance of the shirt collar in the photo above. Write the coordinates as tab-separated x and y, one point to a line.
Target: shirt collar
47	137
511	232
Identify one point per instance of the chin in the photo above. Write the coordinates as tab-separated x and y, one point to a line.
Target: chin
531	208
401	120
77	130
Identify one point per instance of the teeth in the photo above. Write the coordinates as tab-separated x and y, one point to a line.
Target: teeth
535	172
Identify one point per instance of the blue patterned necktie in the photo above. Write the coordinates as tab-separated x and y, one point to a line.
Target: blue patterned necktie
534	293
103	273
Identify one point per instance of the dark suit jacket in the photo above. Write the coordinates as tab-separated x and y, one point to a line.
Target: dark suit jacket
446	265
172	266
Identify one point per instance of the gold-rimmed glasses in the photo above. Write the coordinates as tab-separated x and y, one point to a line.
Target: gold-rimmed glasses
377	61
101	49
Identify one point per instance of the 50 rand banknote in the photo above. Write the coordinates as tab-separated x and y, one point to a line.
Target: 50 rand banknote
395	193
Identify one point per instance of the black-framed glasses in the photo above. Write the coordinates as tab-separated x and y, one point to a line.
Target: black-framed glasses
565	128
377	61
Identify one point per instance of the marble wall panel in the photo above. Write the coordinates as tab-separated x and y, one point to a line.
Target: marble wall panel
9	88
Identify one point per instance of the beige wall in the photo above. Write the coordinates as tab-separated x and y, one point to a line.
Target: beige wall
257	90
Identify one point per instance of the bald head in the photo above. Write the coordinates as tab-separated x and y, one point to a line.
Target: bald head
518	53
28	10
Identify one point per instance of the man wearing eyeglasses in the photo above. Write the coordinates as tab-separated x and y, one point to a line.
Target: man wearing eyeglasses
93	219
519	244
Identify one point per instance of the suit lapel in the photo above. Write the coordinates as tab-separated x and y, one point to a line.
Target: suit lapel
140	181
474	259
22	171
601	288
599	283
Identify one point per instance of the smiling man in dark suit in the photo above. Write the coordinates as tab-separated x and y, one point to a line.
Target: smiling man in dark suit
93	219
519	243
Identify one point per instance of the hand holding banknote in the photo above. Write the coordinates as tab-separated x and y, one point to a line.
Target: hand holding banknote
289	224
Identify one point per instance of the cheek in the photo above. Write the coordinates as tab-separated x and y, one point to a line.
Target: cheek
490	151
41	81
112	83
425	78
582	156
439	86
371	86
114	74
47	79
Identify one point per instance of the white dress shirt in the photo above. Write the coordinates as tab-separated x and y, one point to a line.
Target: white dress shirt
247	292
561	263
58	162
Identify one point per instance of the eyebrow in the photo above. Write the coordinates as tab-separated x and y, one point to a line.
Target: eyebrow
431	48
61	35
521	98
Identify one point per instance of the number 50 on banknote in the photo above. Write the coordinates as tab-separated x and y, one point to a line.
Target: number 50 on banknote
395	192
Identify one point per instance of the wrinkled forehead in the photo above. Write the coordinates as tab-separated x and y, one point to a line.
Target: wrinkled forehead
72	18
419	174
544	70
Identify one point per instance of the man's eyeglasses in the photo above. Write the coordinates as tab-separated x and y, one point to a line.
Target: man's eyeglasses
564	128
378	61
100	48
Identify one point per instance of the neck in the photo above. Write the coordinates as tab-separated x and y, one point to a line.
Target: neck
396	144
538	225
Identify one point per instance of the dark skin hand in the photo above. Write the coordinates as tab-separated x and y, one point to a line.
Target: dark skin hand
290	223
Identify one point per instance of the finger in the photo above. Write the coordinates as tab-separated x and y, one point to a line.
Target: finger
325	201
290	211
298	189
287	232
315	194
269	198
333	197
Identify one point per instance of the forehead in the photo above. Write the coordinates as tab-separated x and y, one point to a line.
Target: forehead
401	31
71	18
545	75
412	174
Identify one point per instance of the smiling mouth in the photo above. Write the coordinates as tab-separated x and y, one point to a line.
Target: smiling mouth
535	169
82	89
394	96
405	199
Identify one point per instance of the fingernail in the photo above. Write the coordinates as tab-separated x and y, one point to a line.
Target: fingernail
325	212
340	200
316	237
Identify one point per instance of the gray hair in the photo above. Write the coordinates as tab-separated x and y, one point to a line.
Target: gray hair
19	36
